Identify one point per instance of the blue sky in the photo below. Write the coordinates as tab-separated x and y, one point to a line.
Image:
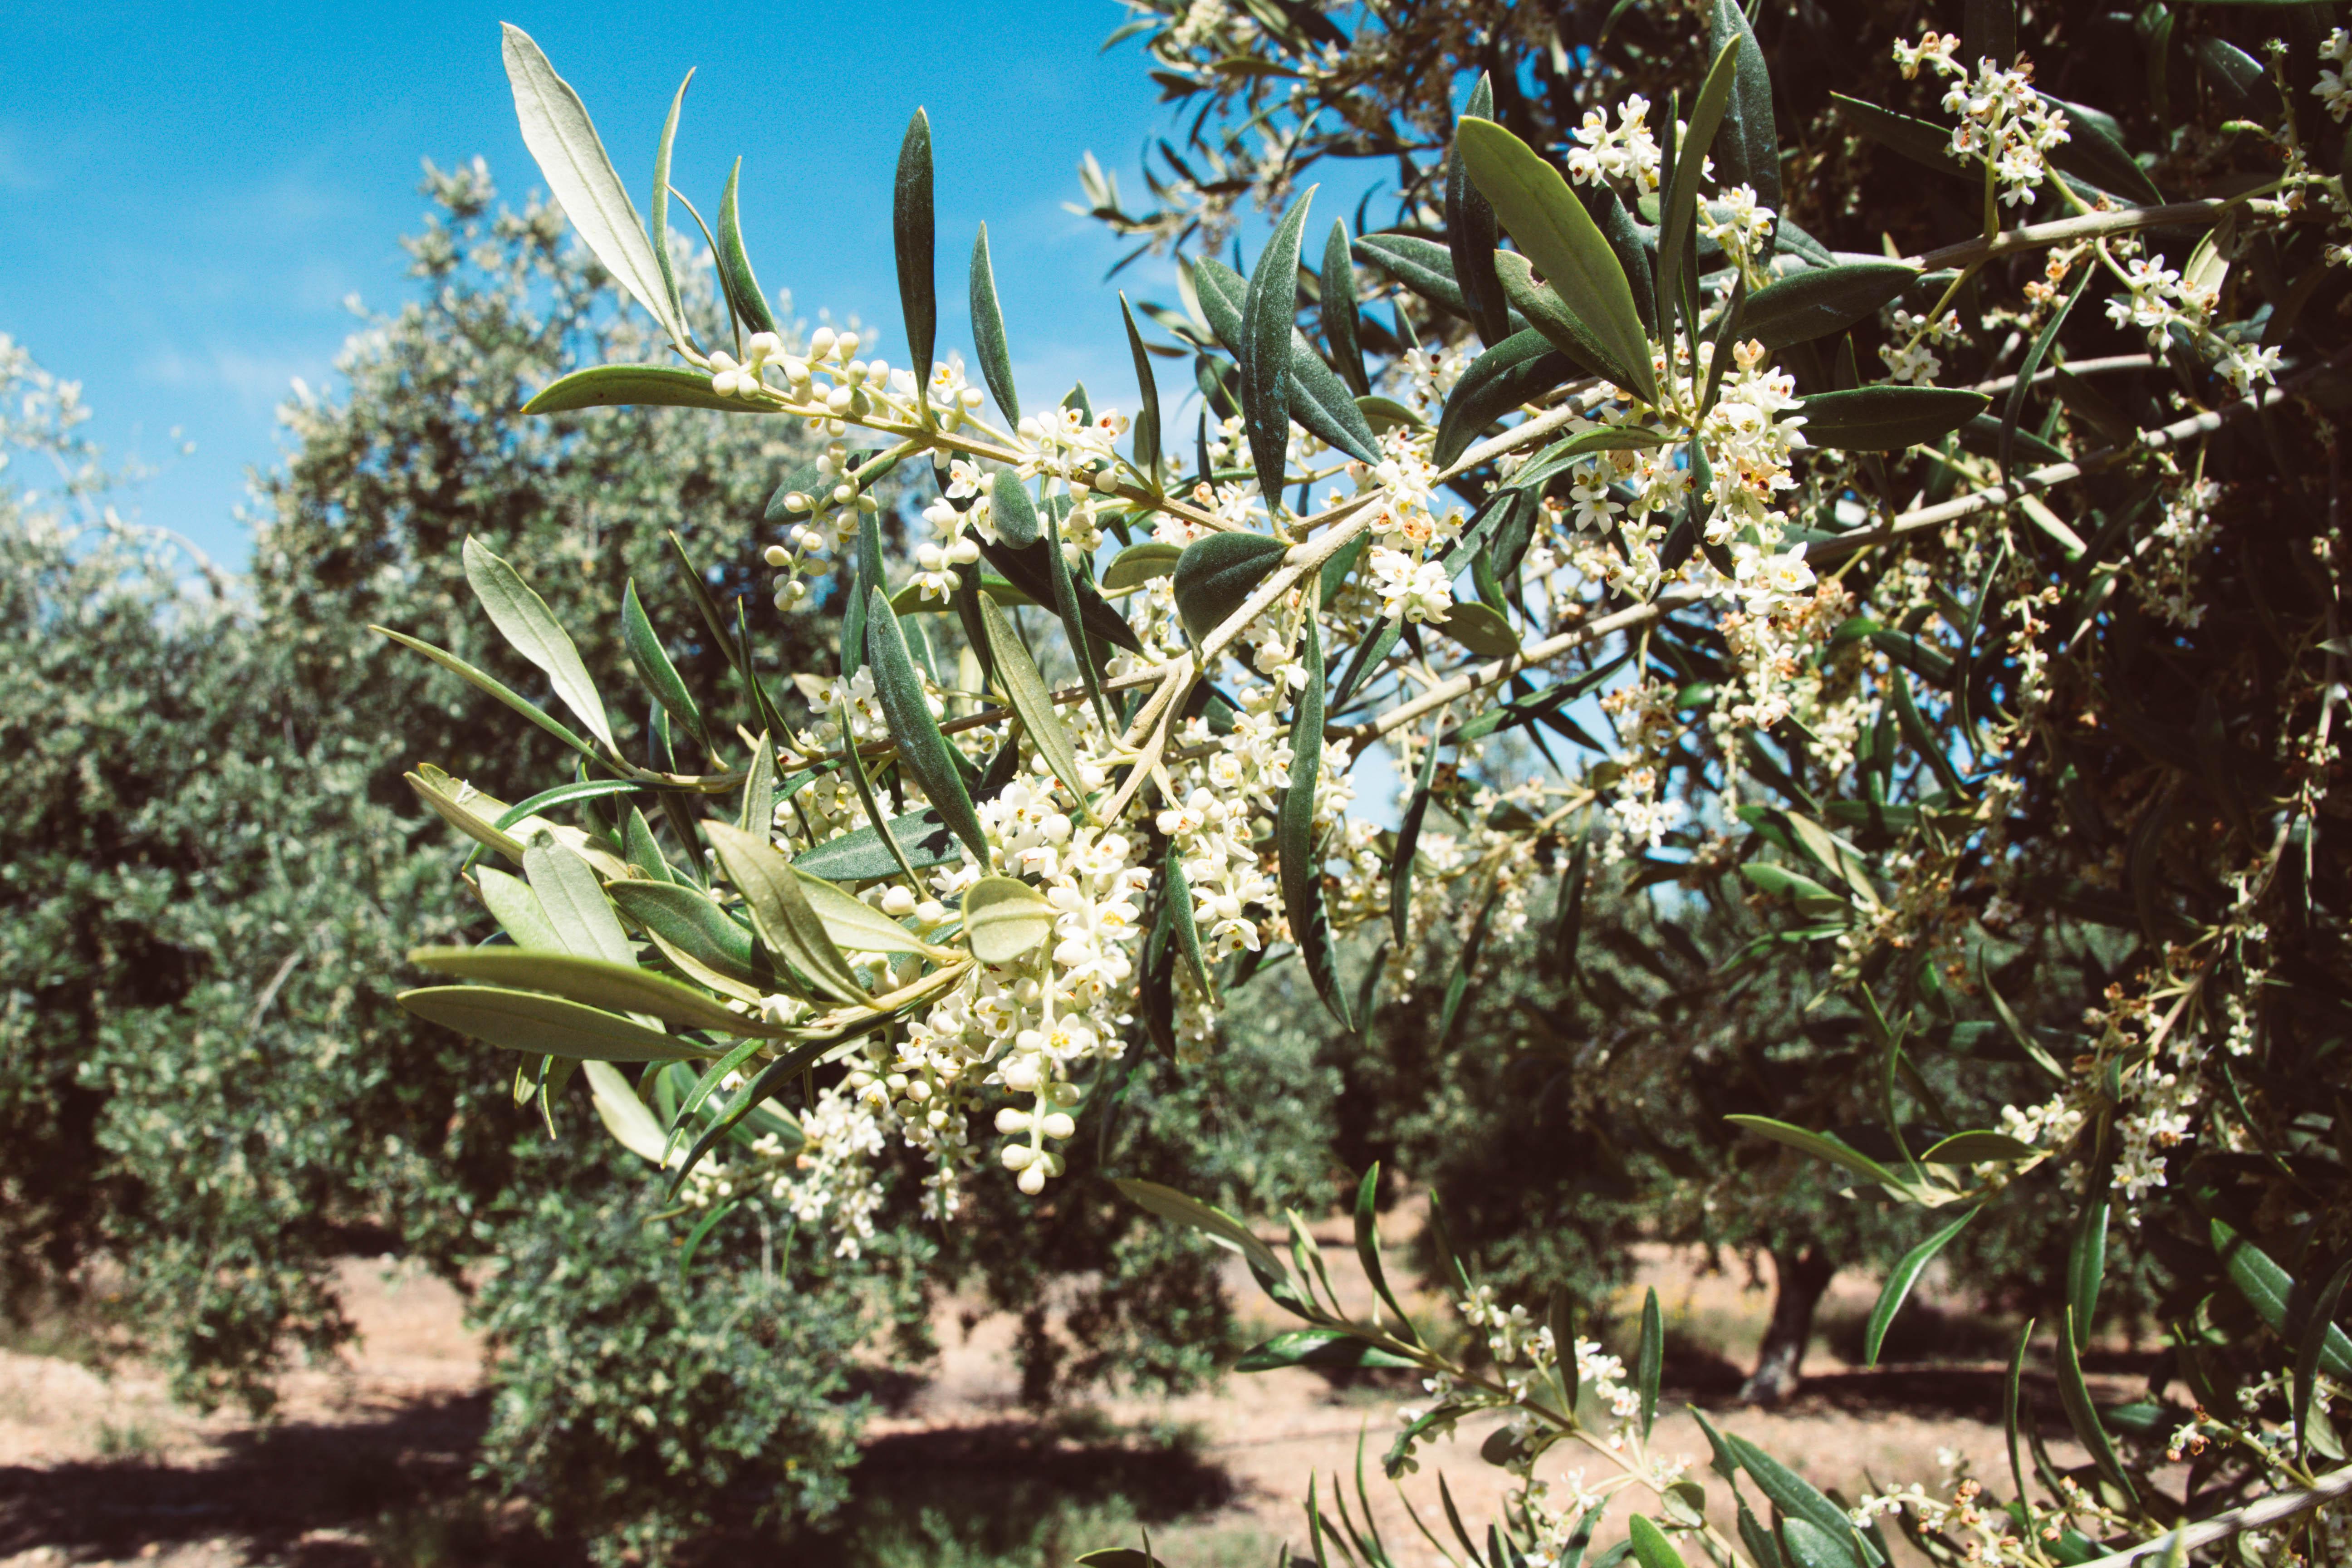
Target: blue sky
191	193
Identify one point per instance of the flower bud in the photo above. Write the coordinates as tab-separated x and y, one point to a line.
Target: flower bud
1010	1120
919	1091
776	555
1058	1124
839	399
1031	1180
1018	1157
821	342
898	900
1061	1093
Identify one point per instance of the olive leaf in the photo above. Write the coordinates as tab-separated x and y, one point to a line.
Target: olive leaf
1216	574
660	237
1887	418
570	156
1681	206
1339	282
654	668
1470	232
523	619
621	987
1518	370
988	344
1004	918
1557	234
1899	1281
632	386
911	241
544	1025
1032	700
1269	315
781	911
743	291
1319	400
1293	836
923	751
1821	300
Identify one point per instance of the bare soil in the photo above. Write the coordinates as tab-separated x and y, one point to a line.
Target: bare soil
368	1461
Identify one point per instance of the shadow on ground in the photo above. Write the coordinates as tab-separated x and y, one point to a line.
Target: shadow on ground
309	1496
400	1490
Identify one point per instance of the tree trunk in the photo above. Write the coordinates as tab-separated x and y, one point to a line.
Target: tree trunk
1800	1278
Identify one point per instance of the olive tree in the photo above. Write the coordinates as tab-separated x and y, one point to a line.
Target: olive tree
1949	643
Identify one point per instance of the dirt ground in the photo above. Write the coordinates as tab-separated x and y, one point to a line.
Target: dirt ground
357	1467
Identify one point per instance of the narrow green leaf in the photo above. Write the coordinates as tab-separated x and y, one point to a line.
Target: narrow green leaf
988	342
620	988
624	1116
544	1025
1976	1147
1215	575
735	274
1421	265
1338	281
1922	141
1269	315
516	910
1317	1347
1072	615
1294	834
1548	313
2074	1395
1012	513
1470	232
512	698
2012	1405
911	238
1140	564
1813	1546
1899	1281
1145	448
572	158
1681	206
781	911
922	750
1216	1224
855	925
759	813
1888	418
922	836
1033	701
683	918
2311	1344
1821	300
1367	1245
1793	1496
1821	1145
466	820
1482	629
1319	400
1561	238
1748	151
1004	918
1649	1359
654	666
2086	1258
660	237
575	904
1651	1547
1518	370
2269	1289
523	619
1408	842
2014	409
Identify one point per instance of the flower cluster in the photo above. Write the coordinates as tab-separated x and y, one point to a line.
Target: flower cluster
2003	121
